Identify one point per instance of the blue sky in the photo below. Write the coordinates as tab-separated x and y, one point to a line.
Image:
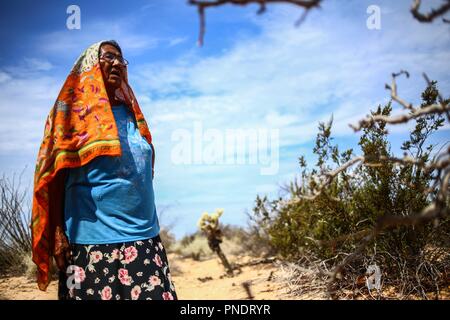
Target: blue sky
255	72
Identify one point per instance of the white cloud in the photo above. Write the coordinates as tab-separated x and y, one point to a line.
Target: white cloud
26	101
4	77
27	68
274	119
64	41
176	41
38	64
287	78
292	78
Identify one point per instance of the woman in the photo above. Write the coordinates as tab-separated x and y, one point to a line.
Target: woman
93	204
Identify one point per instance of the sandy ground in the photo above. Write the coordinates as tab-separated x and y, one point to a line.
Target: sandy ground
195	280
201	280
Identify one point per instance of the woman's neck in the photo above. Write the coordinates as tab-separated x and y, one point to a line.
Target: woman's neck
113	99
115	102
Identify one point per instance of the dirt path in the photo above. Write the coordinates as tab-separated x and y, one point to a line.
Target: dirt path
193	280
207	280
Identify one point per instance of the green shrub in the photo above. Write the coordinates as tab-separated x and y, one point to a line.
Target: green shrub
332	224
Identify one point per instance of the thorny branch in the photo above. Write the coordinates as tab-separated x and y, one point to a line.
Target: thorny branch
203	4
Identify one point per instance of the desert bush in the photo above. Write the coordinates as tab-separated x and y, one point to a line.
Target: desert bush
167	238
258	236
15	235
196	247
187	239
245	241
331	224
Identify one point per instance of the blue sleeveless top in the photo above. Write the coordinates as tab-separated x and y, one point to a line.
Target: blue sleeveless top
111	199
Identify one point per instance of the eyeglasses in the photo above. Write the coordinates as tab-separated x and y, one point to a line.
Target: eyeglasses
110	57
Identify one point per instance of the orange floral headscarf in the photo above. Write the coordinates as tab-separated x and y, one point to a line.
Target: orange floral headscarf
79	127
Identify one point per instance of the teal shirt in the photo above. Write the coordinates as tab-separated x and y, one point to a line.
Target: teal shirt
111	199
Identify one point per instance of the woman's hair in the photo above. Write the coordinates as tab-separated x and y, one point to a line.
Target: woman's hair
113	43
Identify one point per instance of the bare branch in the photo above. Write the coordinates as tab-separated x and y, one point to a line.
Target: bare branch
201	14
442	107
402	118
393	89
328	178
203	4
434	13
302	18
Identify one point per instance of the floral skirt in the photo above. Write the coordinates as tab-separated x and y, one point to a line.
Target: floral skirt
137	270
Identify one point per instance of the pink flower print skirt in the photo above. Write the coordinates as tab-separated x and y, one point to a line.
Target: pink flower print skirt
137	270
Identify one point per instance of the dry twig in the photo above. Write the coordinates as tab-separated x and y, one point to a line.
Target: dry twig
433	14
415	112
203	4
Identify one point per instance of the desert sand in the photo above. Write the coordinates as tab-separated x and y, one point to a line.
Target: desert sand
197	280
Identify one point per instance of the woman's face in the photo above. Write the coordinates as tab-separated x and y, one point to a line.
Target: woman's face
113	71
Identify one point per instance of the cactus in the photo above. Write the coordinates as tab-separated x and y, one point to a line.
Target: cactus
209	225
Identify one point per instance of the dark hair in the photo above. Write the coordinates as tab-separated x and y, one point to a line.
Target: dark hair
113	43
